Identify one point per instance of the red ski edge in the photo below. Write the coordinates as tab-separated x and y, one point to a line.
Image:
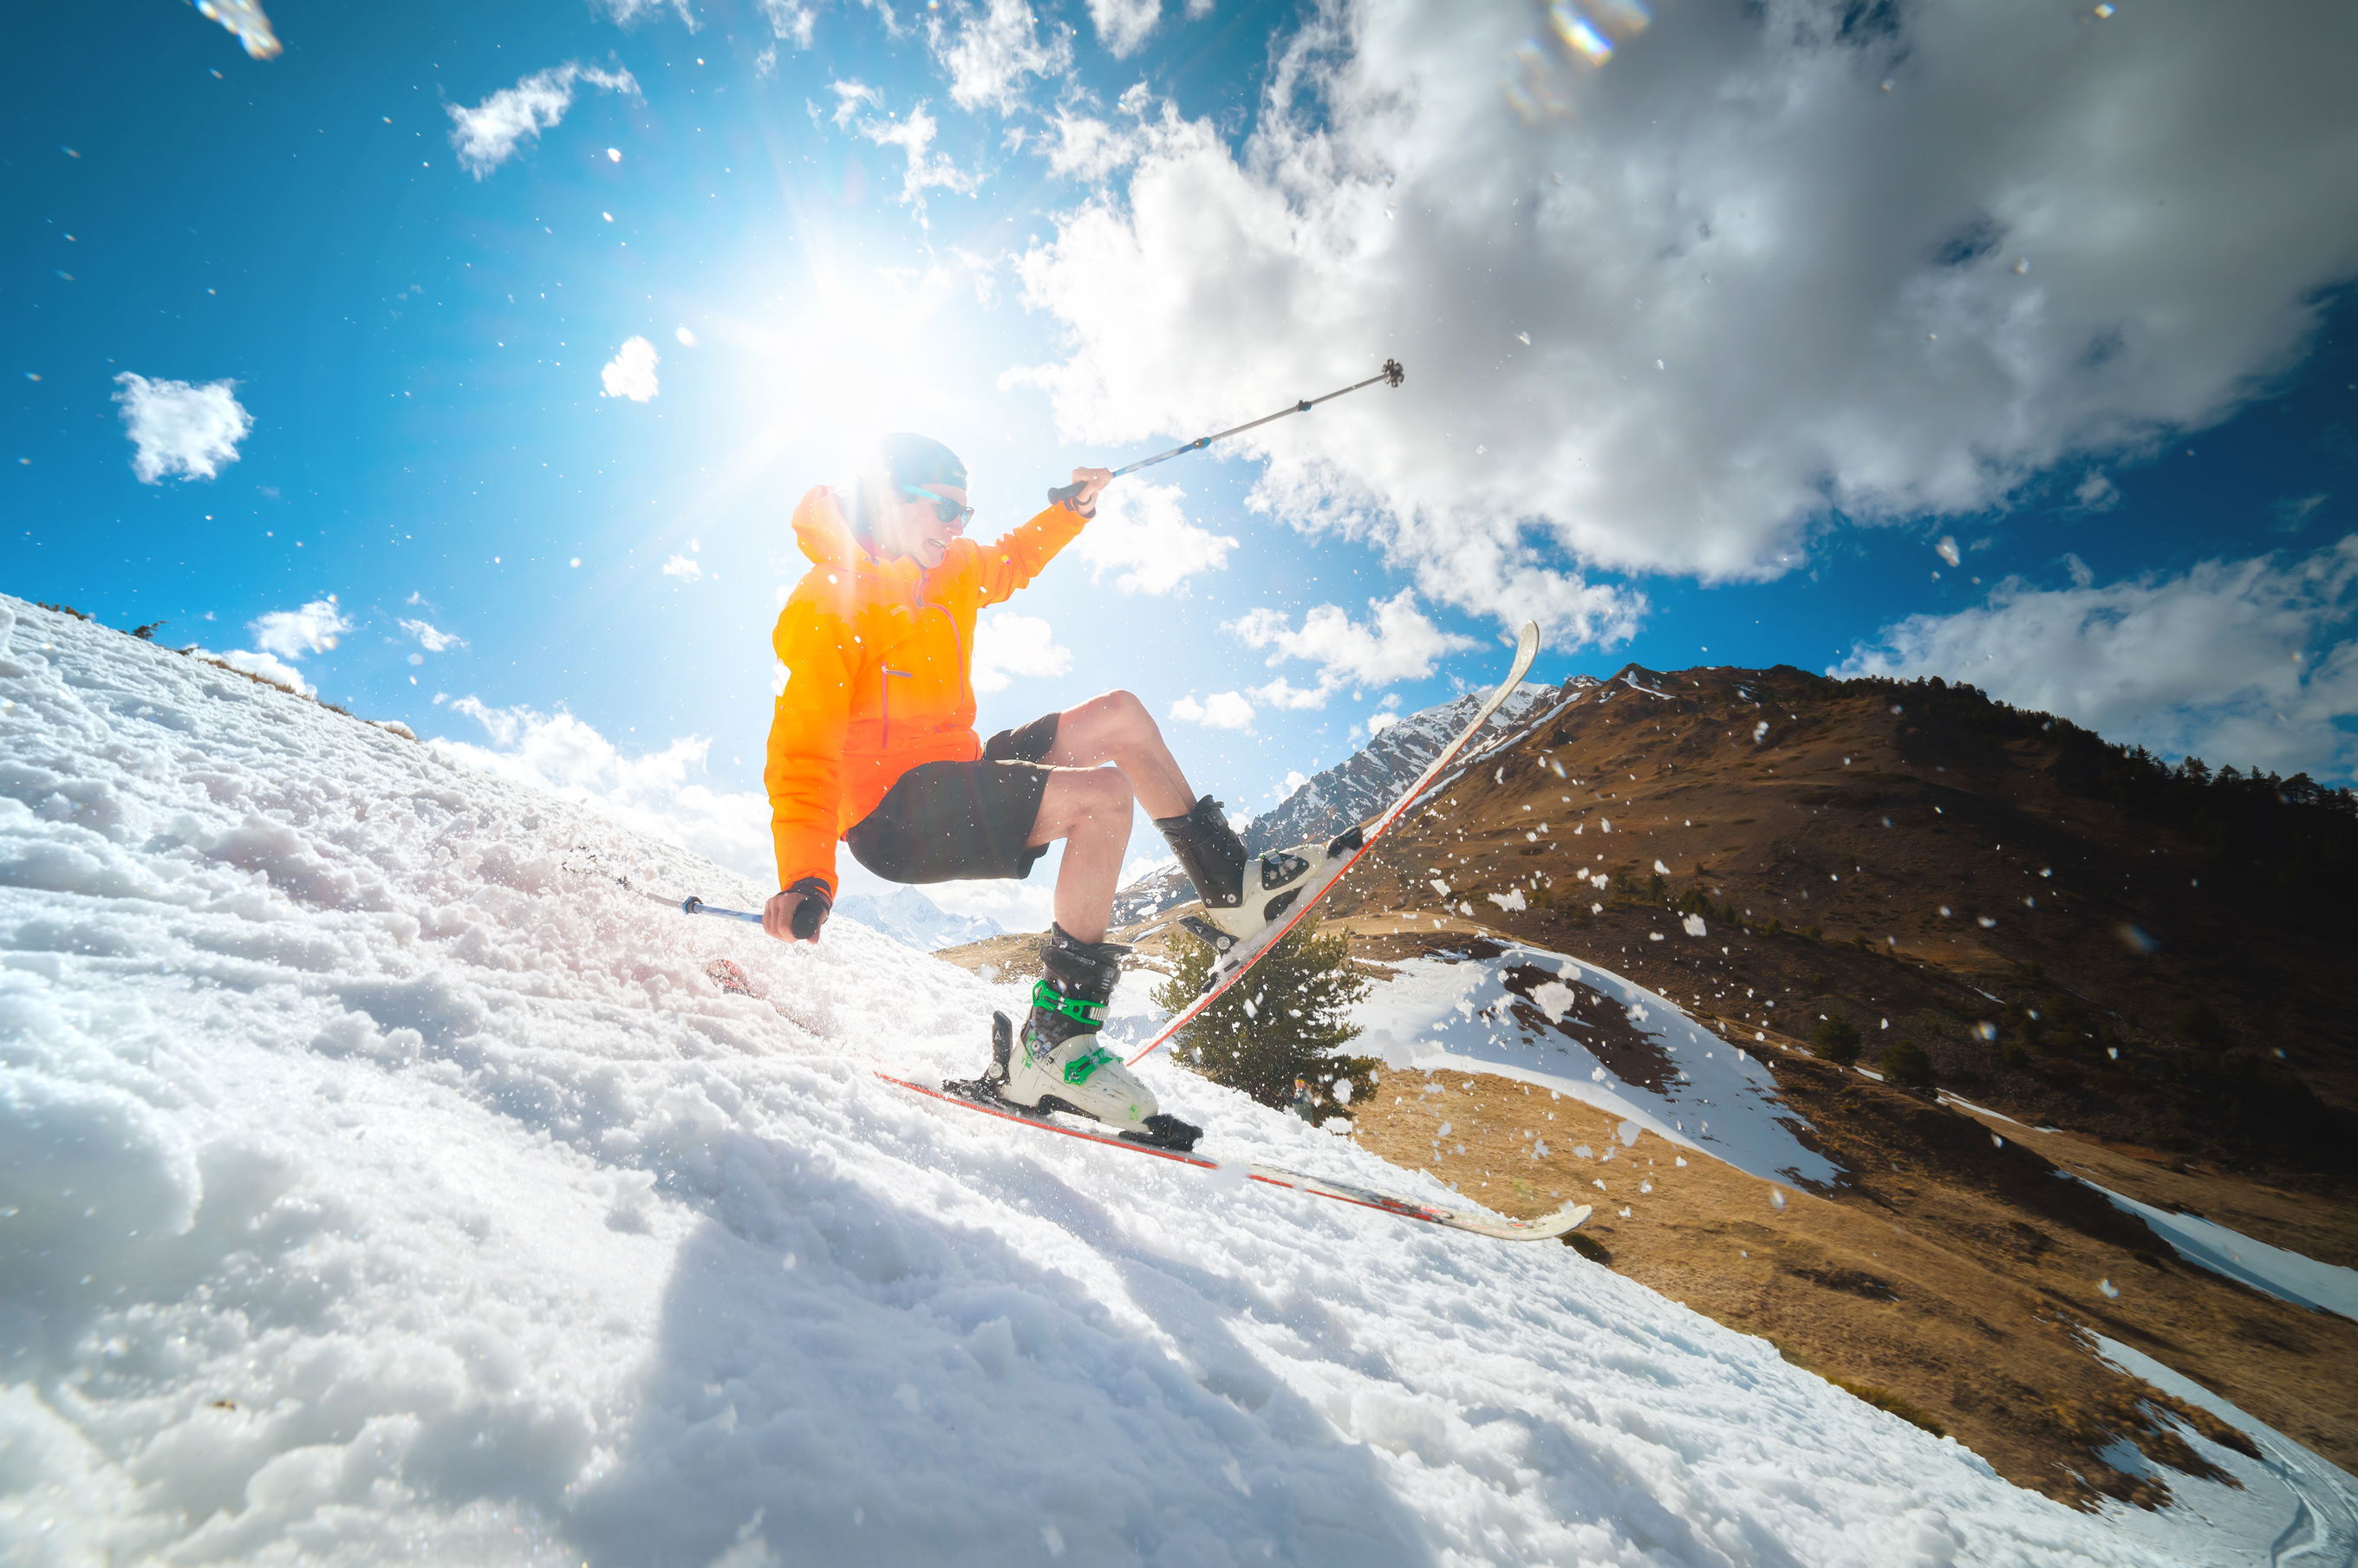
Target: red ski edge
1545	1229
1527	647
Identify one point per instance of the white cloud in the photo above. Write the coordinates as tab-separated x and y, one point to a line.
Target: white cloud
1283	693
1379	722
291	634
487	136
849	96
631	372
1142	532
246	22
1006	646
795	23
2235	662
2293	511
684	568
991	52
2096	492
1122	25
630	13
265	666
1088	150
1221	710
924	171
1743	286
432	638
1396	642
178	427
663	793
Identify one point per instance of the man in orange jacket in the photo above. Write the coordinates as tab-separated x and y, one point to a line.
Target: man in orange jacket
873	742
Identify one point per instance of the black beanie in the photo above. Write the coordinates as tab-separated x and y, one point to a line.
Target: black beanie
901	457
911	459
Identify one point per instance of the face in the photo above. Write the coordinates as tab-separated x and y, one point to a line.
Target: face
914	528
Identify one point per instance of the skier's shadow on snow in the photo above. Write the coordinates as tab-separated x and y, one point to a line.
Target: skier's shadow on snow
843	1378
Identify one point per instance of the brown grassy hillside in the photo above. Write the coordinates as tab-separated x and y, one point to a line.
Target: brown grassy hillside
2069	933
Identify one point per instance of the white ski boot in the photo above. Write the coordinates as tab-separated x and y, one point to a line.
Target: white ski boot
1242	893
1057	1064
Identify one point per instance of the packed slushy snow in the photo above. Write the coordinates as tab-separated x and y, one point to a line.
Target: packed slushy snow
381	1181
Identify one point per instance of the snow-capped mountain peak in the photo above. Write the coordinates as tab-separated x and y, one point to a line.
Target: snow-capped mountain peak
910	917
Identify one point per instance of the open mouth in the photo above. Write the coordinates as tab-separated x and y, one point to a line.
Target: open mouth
936	544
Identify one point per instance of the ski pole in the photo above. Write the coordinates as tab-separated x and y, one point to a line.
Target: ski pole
803	927
1391	373
694	905
806	921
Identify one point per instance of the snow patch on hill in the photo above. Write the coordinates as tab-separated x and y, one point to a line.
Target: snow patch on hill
1553	1020
381	1181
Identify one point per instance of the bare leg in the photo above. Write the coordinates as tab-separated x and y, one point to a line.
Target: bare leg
1117	729
1090	809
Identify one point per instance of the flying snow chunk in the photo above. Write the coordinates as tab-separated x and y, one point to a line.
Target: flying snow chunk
613	155
686	339
631	372
1947	550
179	428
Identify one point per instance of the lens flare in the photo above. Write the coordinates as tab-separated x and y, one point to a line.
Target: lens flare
1577	34
1584	37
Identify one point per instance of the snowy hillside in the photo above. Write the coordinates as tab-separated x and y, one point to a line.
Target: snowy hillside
911	919
379	1182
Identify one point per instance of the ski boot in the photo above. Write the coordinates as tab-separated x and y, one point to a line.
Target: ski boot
1241	893
1057	1064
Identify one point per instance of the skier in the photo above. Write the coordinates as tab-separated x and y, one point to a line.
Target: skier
873	742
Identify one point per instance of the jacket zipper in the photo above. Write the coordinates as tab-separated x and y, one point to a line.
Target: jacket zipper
885	744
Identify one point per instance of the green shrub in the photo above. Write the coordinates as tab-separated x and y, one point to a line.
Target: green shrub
1906	1065
1836	1039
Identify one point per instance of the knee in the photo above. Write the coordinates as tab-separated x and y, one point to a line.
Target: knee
1107	793
1127	716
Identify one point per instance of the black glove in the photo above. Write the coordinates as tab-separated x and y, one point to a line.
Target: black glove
817	906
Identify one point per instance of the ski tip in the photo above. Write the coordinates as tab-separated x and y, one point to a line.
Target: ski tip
1563	1222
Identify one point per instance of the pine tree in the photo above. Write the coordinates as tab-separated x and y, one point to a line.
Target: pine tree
1284	1020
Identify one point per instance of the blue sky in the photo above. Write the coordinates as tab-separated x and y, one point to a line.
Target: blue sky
1718	321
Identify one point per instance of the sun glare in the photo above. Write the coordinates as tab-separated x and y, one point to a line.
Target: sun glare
854	356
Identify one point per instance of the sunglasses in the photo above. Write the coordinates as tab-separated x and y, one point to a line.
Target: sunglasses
946	509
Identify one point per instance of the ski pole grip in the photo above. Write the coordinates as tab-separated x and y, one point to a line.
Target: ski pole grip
1064	491
808	914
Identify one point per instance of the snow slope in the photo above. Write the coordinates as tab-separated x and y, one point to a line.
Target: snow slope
2281	1272
379	1182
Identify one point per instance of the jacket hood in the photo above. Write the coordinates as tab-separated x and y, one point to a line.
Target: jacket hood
821	531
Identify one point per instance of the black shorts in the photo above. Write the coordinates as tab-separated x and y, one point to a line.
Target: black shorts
945	822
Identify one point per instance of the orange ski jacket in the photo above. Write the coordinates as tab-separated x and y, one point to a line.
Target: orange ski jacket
878	657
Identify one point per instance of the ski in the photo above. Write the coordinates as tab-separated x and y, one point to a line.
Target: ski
1234	963
1546	1229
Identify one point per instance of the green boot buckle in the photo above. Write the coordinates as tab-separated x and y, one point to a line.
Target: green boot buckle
1080	1010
